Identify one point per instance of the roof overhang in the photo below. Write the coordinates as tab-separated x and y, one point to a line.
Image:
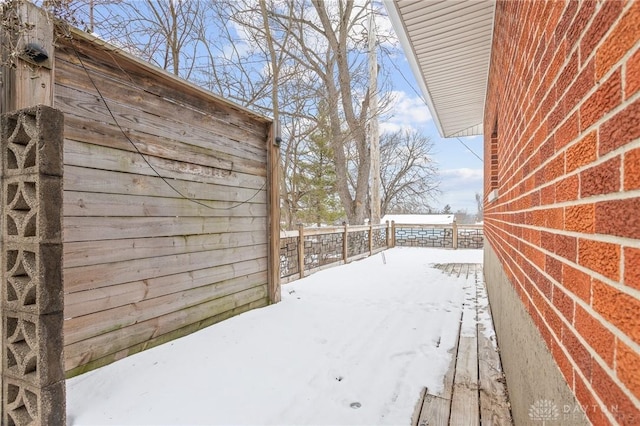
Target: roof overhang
448	46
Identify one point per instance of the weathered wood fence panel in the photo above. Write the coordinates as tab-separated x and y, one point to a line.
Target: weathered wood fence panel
143	262
308	250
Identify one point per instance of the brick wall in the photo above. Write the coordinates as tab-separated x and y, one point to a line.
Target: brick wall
564	105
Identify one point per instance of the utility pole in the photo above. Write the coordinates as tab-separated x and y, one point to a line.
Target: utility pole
374	139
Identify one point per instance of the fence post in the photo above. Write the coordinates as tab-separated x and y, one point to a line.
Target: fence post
388	231
301	250
33	381
273	188
454	227
370	239
393	233
345	243
28	79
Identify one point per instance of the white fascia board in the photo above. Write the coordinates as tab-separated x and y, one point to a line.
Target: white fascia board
398	26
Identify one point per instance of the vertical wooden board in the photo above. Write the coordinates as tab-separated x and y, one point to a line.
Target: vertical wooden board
465	403
494	406
273	208
28	82
436	409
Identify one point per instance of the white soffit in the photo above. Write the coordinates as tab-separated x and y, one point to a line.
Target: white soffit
448	45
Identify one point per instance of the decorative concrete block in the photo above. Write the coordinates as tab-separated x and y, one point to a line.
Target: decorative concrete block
32	292
32	278
33	347
32	208
32	140
30	405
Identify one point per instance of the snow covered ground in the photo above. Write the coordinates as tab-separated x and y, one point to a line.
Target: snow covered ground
351	345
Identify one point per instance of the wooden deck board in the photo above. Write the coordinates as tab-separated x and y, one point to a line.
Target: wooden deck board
464	403
494	403
474	387
436	409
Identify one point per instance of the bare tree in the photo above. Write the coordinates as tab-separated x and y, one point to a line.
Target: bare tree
163	32
480	204
281	58
408	174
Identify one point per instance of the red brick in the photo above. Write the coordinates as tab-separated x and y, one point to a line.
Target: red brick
580	354
632	169
534	255
568	189
566	246
555	323
548	194
547	241
583	152
567	75
534	236
554	169
556	116
628	367
538	217
597	336
591	407
621	39
542	283
567	132
546	106
577	282
580	218
603	100
603	258
538	179
619	308
619	217
566	20
617	402
554	218
632	267
601	179
587	10
620	129
564	304
604	20
579	89
632	73
553	267
565	366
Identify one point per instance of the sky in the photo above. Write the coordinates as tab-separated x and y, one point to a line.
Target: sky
460	171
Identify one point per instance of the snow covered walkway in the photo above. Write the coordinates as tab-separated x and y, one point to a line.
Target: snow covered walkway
353	345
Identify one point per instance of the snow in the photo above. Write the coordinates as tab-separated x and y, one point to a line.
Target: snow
352	345
419	219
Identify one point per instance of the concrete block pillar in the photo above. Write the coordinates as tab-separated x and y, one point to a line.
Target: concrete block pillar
33	386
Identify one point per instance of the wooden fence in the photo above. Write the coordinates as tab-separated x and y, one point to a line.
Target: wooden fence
309	250
170	199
